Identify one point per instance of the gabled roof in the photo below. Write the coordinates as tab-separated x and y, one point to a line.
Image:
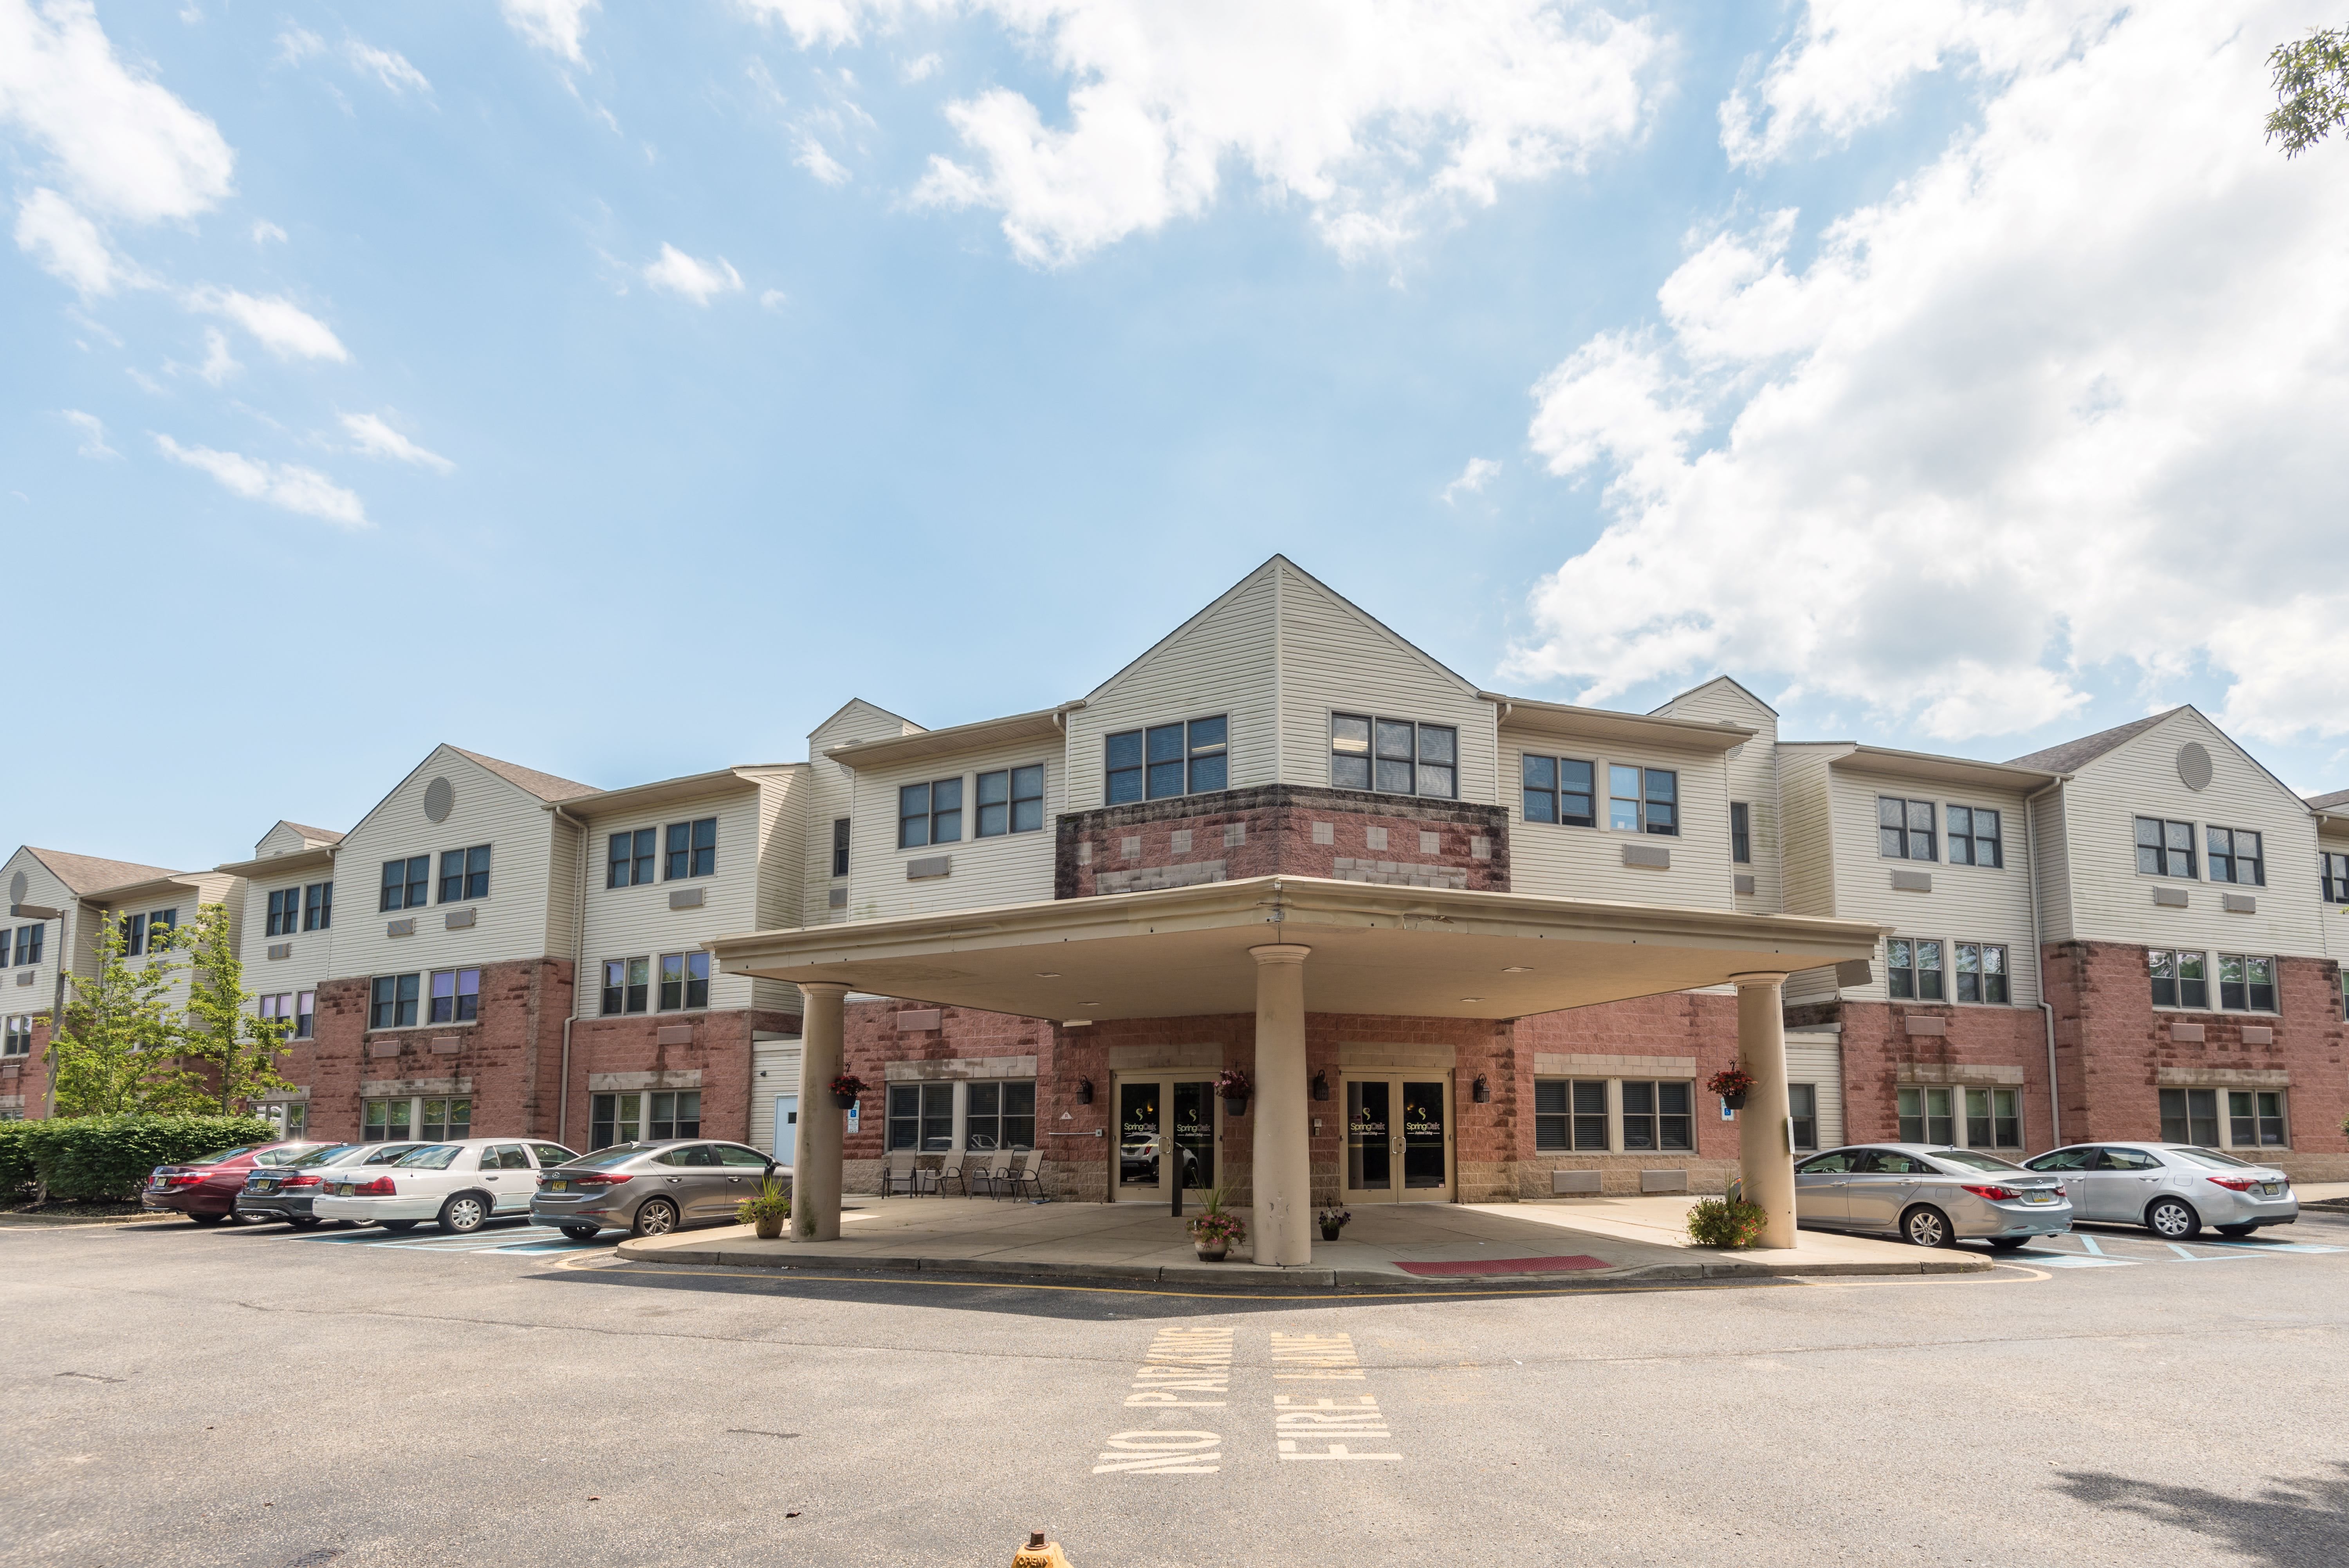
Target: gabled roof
1044	723
2338	798
545	786
87	873
1718	681
2072	755
861	703
315	835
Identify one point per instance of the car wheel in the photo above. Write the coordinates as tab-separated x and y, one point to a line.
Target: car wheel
2172	1219
1926	1226
397	1227
654	1217
207	1219
464	1214
581	1232
2007	1243
2236	1231
303	1221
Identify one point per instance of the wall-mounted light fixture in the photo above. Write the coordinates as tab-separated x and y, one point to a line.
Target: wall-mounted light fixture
1321	1085
1084	1091
1483	1092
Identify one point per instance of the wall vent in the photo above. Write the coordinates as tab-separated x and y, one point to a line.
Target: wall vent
406	927
458	921
1912	881
2169	897
1650	855
688	898
281	950
929	866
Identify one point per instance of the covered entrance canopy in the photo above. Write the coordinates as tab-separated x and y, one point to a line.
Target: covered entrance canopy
1281	947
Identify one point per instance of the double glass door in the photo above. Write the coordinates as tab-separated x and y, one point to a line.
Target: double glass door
1397	1140
1165	1129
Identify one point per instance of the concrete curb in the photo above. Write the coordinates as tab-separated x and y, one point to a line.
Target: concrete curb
71	1221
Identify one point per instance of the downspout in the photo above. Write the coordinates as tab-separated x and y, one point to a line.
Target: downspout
578	961
2039	965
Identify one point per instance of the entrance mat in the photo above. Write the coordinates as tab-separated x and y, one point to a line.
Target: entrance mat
1508	1266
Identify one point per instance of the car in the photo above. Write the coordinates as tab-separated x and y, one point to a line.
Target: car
274	1192
205	1189
650	1189
2173	1189
464	1184
1932	1194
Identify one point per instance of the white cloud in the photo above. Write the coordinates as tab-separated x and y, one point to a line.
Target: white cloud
388	67
2068	399
123	145
555	25
281	485
284	328
820	163
1472	479
67	245
922	69
93	433
296	45
265	231
773	299
377	439
219	363
699	281
1377	116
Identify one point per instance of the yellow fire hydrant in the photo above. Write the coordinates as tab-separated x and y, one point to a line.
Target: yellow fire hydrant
1039	1553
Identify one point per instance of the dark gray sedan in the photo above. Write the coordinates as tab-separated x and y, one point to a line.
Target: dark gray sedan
651	1189
1931	1194
285	1192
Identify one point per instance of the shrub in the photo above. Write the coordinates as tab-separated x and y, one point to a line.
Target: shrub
16	1160
103	1157
1725	1223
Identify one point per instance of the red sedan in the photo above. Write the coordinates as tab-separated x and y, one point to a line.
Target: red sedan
205	1190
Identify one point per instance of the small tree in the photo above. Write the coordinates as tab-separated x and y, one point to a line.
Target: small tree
242	1047
2312	87
116	1051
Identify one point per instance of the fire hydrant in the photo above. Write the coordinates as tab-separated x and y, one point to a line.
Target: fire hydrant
1039	1553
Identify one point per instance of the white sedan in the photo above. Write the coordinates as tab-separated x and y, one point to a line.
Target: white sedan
462	1185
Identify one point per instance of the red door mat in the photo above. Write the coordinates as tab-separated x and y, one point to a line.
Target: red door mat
1506	1266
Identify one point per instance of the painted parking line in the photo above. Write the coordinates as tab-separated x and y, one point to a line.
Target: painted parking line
2086	1251
527	1239
2058	1259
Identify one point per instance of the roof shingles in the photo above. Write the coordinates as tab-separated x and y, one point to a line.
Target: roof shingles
2072	755
87	873
545	786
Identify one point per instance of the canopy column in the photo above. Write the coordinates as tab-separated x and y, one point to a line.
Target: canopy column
1765	1150
1284	1163
823	1130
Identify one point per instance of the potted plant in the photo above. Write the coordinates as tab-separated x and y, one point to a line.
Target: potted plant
1727	1222
1332	1221
1733	1085
846	1089
767	1210
1234	1087
1215	1231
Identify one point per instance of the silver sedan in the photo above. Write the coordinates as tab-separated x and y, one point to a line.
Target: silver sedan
2171	1189
1930	1194
651	1189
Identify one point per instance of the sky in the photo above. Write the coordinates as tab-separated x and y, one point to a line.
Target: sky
619	388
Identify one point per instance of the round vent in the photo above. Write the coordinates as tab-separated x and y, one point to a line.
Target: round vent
16	885
441	799
2193	766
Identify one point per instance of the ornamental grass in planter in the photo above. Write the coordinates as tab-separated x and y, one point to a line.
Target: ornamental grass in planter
1215	1232
767	1210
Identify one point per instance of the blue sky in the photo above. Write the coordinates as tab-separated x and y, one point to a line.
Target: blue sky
619	390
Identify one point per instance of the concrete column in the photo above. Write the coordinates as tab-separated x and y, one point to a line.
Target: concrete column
1284	1157
815	1163
1764	1151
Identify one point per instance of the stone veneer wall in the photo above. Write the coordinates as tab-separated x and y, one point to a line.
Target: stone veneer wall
717	1046
1877	1047
1686	1024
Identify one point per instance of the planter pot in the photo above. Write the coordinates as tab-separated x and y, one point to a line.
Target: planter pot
845	1102
1236	1105
771	1228
1332	1232
1212	1254
1734	1102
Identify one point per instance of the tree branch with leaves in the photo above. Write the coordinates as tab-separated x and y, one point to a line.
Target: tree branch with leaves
116	1050
241	1046
2312	86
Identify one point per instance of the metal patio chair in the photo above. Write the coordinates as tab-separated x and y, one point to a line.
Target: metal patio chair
1027	1176
902	1173
990	1175
949	1173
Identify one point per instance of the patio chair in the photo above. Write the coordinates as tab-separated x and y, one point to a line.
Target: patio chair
901	1173
949	1173
990	1175
1028	1176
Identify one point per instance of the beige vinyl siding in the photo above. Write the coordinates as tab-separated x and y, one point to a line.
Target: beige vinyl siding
195	890
1014	868
2111	901
1587	862
282	839
2333	919
311	959
1808	840
774	1070
1751	774
784	794
38	993
1221	660
512	924
1817	1058
1968	903
565	840
1335	658
636	921
830	795
2052	864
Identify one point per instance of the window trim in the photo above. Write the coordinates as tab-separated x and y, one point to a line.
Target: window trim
1741	833
408	883
2179	981
1914	968
2333	877
1909	830
1192	754
686	982
1642	801
318	906
840	831
2234	857
1973	838
644	846
1961	1115
2274	984
2193	850
1012	802
1557	790
605	989
1957	972
693	851
1417	762
2222	1117
413	1000
464	875
931	811
957	1115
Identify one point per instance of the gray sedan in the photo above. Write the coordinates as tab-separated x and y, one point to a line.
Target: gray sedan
2171	1189
286	1191
1930	1194
650	1189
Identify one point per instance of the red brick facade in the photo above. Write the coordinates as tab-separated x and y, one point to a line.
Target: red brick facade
675	1045
1976	1047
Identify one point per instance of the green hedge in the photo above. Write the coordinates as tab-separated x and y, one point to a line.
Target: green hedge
102	1158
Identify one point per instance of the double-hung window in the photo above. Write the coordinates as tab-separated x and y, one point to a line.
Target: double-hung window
2235	857
929	814
2255	1119
921	1117
285	911
1168	760
1656	1116
406	883
1000	1114
318	907
465	874
29	944
1559	789
2165	848
1927	1114
277	1007
2334	872
456	995
1570	1116
1803	1114
1981	971
840	847
673	1114
2179	979
391	1000
161	924
684	981
1975	837
1642	800
1741	833
630	857
627	985
2246	984
1913	970
19	1038
2190	1116
1904	828
1010	800
1993	1119
1393	756
134	935
693	850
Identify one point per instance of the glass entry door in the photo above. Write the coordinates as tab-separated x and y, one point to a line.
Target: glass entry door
1164	1126
1397	1140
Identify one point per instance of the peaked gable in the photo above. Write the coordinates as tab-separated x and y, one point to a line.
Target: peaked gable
857	719
85	874
2163	732
484	770
1710	693
545	786
2073	756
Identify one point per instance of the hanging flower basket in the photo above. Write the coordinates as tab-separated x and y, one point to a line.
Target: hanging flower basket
1235	1087
1733	1085
846	1089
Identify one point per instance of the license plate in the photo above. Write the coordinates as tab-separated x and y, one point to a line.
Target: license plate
344	1190
2038	1195
2272	1189
560	1186
264	1187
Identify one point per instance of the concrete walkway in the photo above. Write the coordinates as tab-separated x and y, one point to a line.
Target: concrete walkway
1418	1246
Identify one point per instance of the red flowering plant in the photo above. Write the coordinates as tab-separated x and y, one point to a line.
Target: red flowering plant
849	1085
1730	1083
1232	1084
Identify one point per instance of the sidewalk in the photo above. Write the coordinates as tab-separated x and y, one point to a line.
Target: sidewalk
1421	1246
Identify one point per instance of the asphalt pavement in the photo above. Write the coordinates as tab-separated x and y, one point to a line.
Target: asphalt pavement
250	1397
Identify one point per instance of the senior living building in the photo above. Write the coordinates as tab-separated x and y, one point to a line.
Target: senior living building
1463	945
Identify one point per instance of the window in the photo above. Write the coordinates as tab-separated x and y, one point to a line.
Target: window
2235	857
1803	1110
290	1117
391	1001
1166	760
2333	871
28	945
318	907
1904	828
306	1014
929	814
134	935
2246	984
160	927
1393	756
673	1114
1973	836
2190	1116
388	1121
1741	833
296	1009
1570	1115
1558	789
1993	1119
627	985
2165	848
631	859
1913	970
435	1120
456	995
840	847
1656	1116
18	1039
684	981
1981	972
1643	800
405	883
921	1116
692	849
1925	1114
285	911
1010	800
614	1119
2179	979
465	874
2255	1119
1000	1115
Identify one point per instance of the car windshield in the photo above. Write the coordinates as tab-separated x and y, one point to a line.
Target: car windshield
431	1157
326	1156
2209	1156
289	1155
1973	1159
219	1154
605	1159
